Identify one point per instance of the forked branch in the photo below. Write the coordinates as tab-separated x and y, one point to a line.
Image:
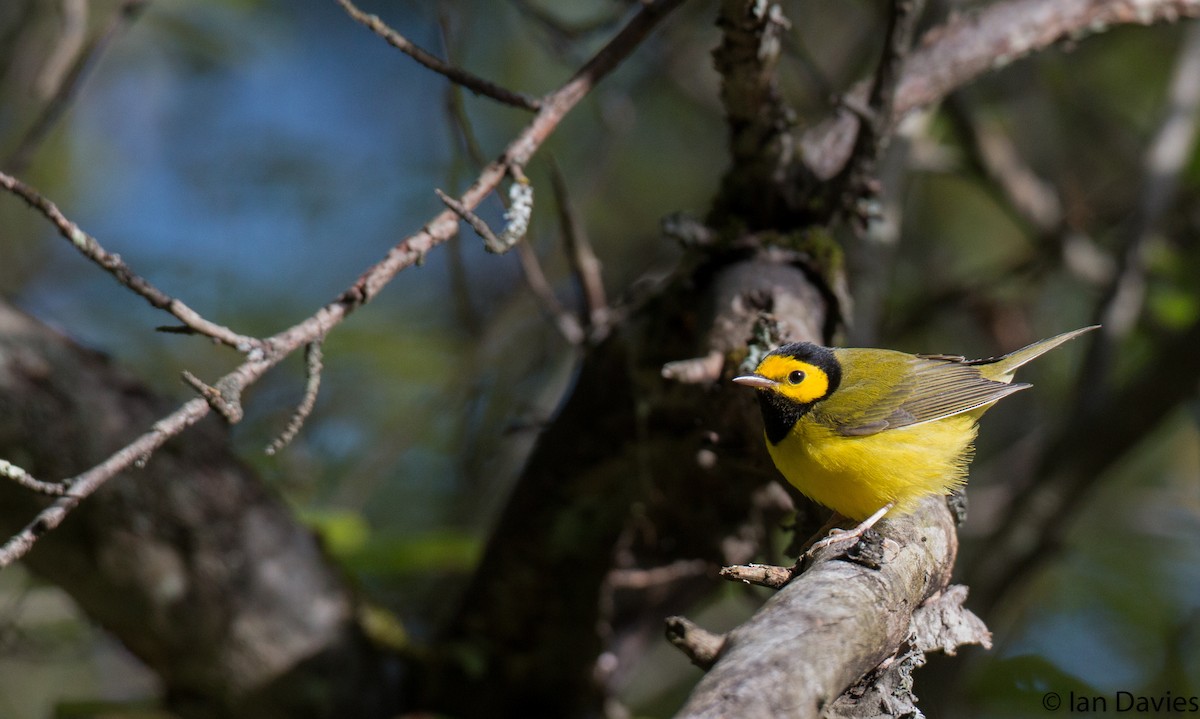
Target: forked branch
265	354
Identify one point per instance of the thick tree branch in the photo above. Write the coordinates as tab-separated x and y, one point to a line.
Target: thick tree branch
771	185
628	450
829	627
971	44
762	180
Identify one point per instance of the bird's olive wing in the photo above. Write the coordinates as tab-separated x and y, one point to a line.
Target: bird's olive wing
915	391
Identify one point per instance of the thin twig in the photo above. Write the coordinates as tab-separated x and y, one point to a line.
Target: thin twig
1033	199
857	183
696	370
490	240
475	84
568	325
67	47
901	22
764	575
585	266
555	106
1166	157
458	114
560	30
531	268
404	254
227	403
642	579
517	214
312	367
68	83
701	646
85	484
28	481
115	266
469	158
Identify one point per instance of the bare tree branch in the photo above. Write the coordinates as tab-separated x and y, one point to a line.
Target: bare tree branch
312	370
455	74
568	324
8	470
585	266
64	83
114	265
1166	157
1031	198
192	562
490	240
273	349
857	183
970	44
83	485
67	45
826	629
1034	525
763	180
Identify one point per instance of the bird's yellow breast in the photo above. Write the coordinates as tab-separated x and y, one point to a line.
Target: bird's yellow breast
857	475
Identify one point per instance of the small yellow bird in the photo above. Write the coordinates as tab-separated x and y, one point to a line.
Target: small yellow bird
869	431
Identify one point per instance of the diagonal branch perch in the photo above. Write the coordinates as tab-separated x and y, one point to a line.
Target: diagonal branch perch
828	628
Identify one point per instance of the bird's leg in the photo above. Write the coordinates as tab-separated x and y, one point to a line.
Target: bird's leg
838	536
831	525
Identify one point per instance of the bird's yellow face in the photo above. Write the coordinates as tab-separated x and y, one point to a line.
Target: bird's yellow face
794	378
789	381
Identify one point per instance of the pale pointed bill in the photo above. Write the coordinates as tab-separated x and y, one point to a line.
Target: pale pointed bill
753	380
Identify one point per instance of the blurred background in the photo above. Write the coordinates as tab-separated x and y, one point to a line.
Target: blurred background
252	157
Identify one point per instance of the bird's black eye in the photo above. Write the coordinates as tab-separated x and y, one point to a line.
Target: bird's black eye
795	377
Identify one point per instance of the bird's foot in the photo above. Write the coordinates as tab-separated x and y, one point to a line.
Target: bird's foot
848	537
837	536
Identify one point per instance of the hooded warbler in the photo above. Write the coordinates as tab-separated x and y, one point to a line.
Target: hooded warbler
869	431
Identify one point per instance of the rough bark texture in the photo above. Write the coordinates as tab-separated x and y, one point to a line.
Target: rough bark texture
617	480
830	626
764	187
190	562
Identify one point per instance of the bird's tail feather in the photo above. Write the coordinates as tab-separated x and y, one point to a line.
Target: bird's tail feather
1001	369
